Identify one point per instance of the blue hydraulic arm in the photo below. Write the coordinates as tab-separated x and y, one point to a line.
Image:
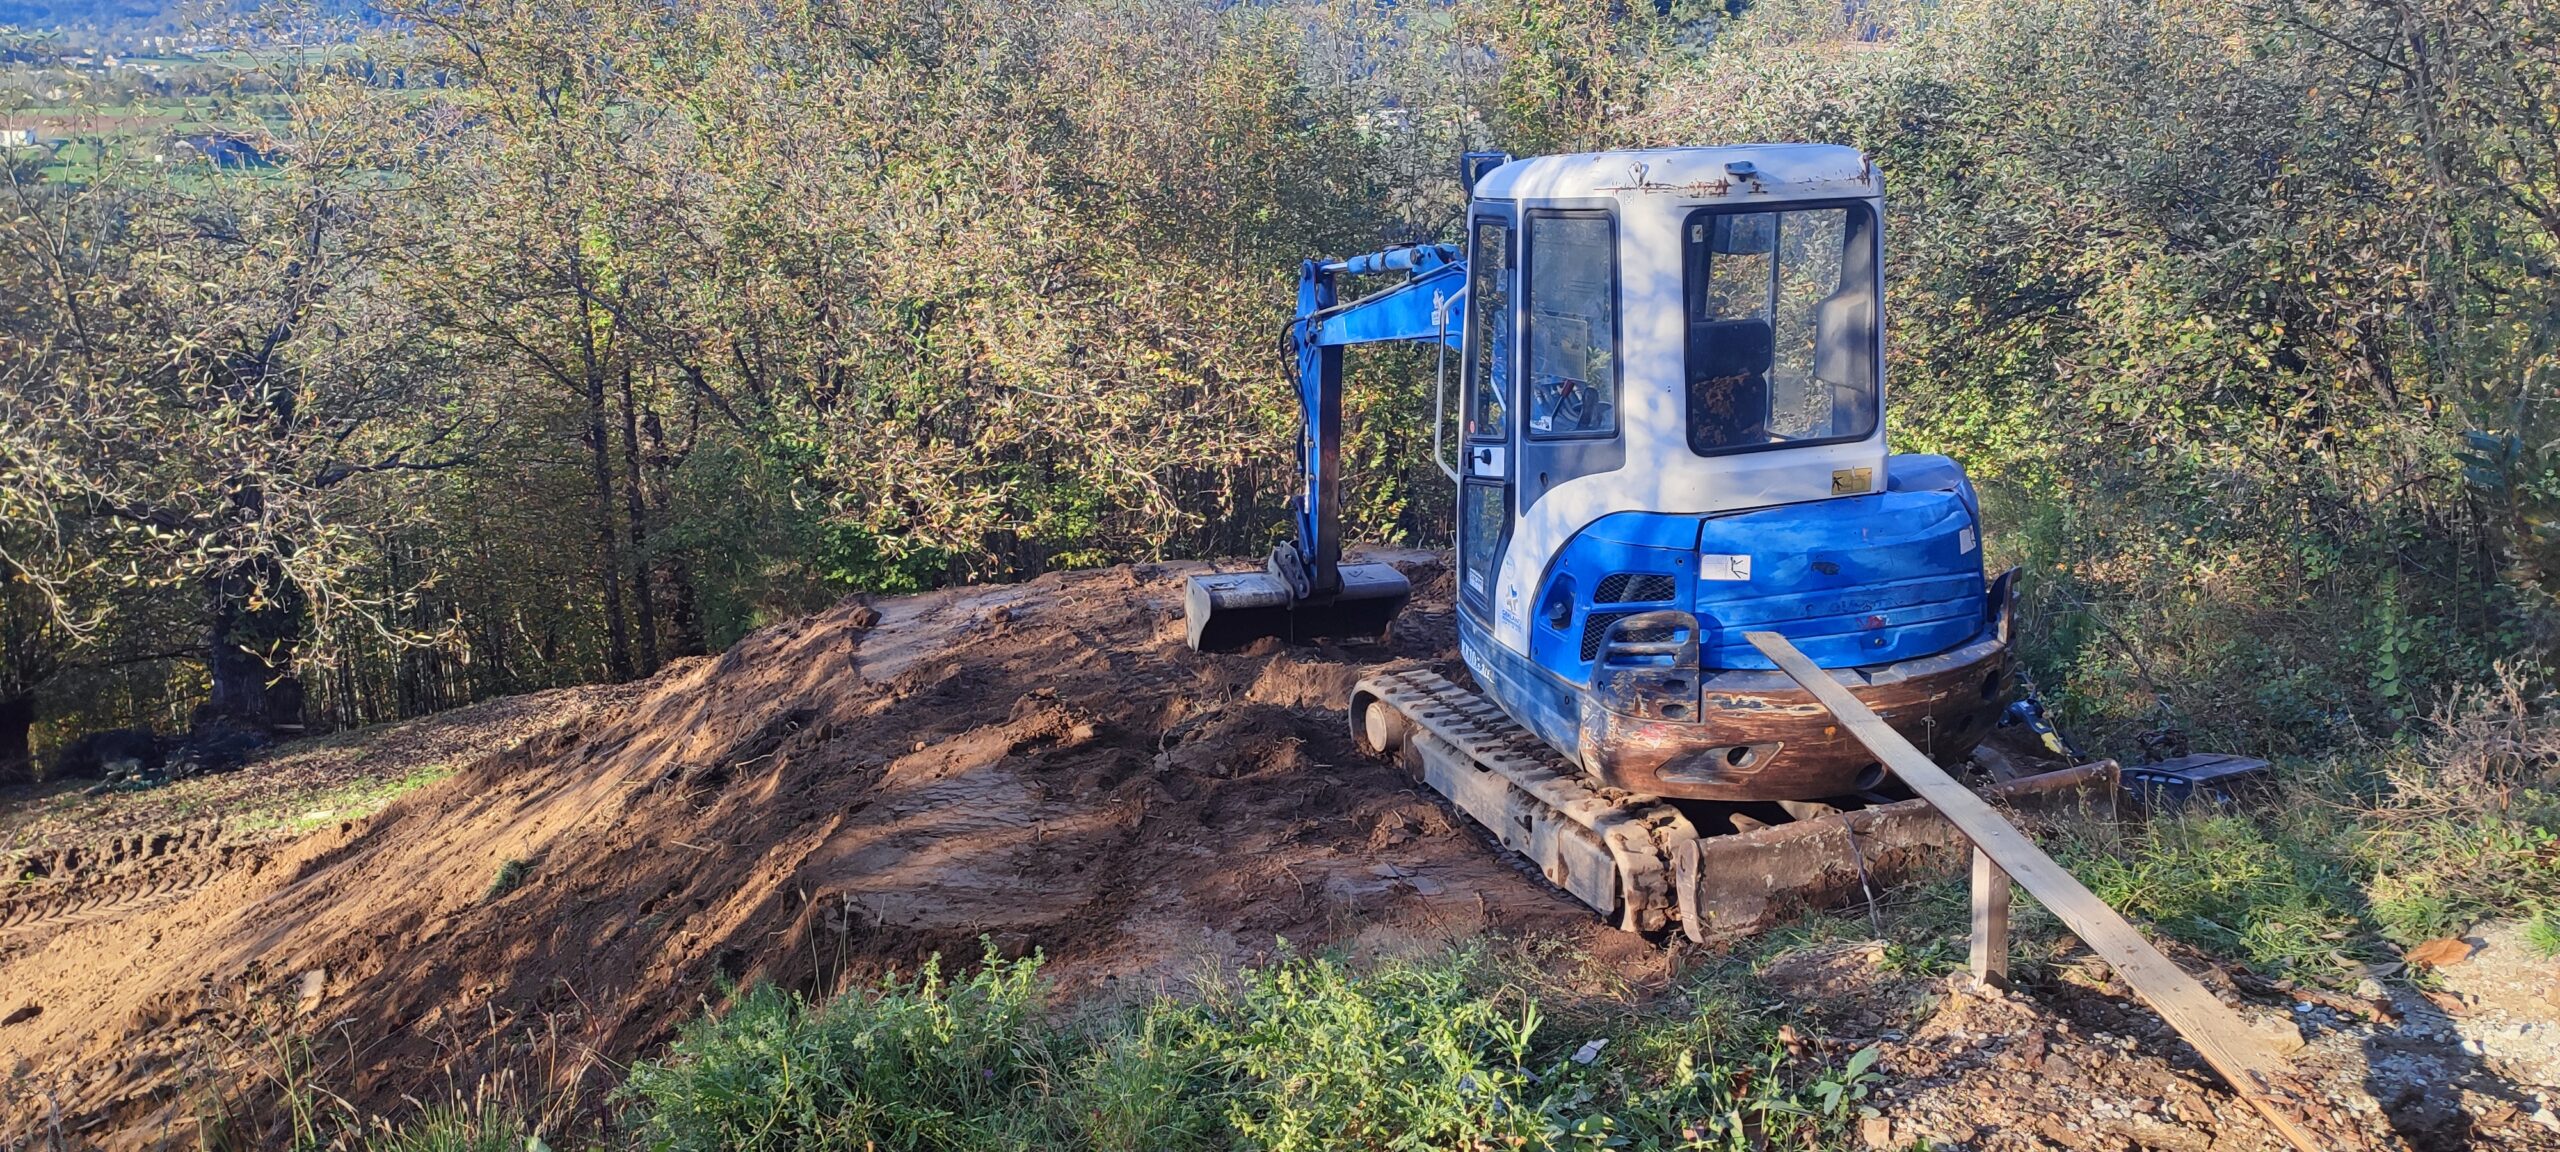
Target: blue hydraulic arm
1419	308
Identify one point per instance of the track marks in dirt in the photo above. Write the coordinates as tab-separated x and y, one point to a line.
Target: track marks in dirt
120	876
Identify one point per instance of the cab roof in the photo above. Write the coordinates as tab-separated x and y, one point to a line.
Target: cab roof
1742	172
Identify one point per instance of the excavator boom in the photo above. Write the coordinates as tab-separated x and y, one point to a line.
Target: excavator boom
1305	591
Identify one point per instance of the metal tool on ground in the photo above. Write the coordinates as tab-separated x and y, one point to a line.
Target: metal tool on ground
2206	778
2003	853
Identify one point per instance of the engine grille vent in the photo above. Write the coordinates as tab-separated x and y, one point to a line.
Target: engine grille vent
1595	627
1634	588
1595	631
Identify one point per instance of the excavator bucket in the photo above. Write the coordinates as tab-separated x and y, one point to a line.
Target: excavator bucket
1230	611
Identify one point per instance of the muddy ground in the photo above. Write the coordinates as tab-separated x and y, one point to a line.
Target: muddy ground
1043	766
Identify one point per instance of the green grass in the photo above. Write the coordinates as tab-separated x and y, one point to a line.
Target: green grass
2365	851
356	799
1304	1054
2542	934
457	1128
2318	889
2276	897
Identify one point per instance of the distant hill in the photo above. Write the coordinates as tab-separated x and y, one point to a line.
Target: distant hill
39	14
120	15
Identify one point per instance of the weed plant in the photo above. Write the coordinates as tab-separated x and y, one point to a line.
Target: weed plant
510	876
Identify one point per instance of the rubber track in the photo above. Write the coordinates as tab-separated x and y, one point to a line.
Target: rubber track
1646	836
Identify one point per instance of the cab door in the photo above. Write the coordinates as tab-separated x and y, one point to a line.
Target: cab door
1485	505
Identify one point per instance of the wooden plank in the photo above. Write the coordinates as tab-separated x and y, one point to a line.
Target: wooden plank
1990	957
2218	1035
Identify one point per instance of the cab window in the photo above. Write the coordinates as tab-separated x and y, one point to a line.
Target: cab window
1573	325
1781	317
1489	327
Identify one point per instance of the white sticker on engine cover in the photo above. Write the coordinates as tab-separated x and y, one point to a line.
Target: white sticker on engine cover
1964	542
1719	566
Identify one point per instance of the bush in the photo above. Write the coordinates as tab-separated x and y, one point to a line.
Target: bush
2462	822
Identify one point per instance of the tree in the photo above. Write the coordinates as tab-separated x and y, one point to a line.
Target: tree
209	378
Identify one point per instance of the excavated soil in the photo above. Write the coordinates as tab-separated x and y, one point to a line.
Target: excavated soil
1041	766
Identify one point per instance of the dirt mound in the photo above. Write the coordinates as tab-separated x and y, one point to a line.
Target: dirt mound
1044	765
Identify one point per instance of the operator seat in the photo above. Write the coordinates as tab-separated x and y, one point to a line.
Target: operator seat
1728	362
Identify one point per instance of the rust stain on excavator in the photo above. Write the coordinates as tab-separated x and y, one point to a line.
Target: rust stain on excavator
1757	736
1695	188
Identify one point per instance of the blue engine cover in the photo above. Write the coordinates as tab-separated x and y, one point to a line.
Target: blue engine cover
1852	581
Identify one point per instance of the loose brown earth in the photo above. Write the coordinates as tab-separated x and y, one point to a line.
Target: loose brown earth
1042	766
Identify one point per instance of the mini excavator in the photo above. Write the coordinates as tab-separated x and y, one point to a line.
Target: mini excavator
1690	576
1668	431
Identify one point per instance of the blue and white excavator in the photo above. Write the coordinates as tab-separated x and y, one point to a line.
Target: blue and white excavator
1669	430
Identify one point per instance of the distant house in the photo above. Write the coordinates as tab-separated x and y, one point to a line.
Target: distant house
17	137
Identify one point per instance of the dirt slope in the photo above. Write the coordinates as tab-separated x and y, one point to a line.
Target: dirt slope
1043	764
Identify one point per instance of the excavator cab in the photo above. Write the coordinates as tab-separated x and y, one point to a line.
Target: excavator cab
1668	430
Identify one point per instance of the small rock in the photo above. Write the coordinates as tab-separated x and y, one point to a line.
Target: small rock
2472	1047
1589	1051
315	985
2547	1118
1877	1132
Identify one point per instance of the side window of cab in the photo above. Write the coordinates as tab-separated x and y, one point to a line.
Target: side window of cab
1489	329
